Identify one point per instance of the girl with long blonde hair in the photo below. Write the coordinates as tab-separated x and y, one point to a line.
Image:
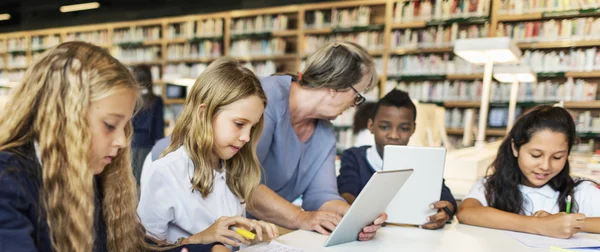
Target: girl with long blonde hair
198	190
65	173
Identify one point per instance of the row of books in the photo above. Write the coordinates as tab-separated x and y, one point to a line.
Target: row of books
317	19
182	70
425	10
369	40
252	47
137	55
536	6
203	50
16	61
44	42
262	69
16	44
95	37
552	30
12	76
431	64
586	122
136	34
358	16
548	91
438	36
562	61
199	29
259	24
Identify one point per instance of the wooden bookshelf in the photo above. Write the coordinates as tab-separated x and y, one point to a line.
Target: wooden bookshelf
559	44
519	17
381	20
464	76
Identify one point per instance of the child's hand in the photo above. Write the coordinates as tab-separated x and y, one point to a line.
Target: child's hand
219	232
561	225
269	228
439	219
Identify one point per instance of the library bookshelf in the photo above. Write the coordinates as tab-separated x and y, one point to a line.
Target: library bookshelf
399	34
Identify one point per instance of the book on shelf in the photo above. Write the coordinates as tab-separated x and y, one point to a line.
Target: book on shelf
426	10
259	24
137	54
94	37
252	47
430	64
135	35
209	28
576	29
317	19
44	42
536	6
372	40
182	70
581	60
262	69
17	44
180	30
436	36
188	51
351	17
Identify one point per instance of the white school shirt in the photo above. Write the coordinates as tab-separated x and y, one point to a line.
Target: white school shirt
169	209
586	196
374	159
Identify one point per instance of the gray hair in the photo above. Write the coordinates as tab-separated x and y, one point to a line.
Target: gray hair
339	65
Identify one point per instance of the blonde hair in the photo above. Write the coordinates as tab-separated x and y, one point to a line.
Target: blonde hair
339	65
51	106
223	82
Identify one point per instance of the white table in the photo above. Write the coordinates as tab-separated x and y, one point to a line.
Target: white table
454	237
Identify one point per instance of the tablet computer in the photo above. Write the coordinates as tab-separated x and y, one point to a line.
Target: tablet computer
412	203
370	204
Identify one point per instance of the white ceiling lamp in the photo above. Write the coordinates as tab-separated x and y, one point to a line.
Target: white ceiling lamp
79	7
488	51
513	74
4	16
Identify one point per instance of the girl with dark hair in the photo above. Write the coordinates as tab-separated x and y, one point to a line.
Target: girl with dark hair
530	187
149	123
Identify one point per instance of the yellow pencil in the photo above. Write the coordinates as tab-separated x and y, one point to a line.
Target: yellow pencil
560	249
245	233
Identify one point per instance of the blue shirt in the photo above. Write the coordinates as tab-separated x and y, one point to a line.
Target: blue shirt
23	224
149	125
292	168
356	172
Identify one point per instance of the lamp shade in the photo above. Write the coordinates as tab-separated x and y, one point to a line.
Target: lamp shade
510	73
481	50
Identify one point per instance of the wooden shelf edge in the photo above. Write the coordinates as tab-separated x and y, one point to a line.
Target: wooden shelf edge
519	17
464	76
558	44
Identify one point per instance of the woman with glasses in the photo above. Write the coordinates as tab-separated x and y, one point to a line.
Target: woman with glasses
297	147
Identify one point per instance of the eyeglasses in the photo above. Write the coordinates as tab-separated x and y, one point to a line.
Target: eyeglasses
359	99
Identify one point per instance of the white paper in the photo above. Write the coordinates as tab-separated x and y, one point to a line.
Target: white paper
274	246
537	241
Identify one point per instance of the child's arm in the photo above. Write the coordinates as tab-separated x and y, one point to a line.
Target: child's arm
349	179
592	225
561	225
